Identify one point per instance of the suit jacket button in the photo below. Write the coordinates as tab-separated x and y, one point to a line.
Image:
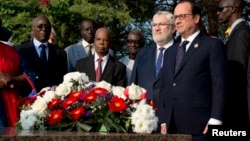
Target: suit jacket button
174	84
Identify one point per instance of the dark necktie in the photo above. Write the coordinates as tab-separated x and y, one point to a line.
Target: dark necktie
90	49
99	70
159	61
180	53
43	55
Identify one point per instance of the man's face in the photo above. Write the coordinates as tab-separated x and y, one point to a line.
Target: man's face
41	29
88	31
162	29
224	10
185	22
102	42
134	42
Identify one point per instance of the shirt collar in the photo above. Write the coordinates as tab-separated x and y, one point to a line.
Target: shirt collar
38	43
85	43
166	46
191	38
104	58
234	24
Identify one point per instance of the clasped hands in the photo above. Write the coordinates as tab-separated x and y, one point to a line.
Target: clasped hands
6	80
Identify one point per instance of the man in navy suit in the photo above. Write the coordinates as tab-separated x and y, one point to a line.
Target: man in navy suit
237	109
112	70
50	71
144	71
193	94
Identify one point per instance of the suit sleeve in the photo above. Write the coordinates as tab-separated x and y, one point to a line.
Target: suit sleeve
217	62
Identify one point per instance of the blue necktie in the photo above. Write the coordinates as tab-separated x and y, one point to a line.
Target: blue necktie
180	53
43	55
159	61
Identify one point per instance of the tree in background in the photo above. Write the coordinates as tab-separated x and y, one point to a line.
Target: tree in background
119	15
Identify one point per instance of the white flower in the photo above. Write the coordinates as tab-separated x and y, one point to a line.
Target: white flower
28	119
143	118
62	90
135	92
39	106
75	78
119	92
49	95
104	84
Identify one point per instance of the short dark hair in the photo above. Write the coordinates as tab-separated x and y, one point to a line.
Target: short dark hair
89	20
196	9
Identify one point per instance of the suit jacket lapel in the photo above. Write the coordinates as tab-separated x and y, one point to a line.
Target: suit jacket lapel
234	29
108	68
192	48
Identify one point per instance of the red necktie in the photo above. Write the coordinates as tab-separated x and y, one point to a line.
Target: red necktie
98	72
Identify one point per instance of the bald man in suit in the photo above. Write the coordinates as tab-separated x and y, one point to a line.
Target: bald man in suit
112	70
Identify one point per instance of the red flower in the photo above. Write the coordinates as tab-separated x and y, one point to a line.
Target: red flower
76	94
41	93
77	113
29	101
68	102
54	103
117	104
98	91
89	98
54	117
151	103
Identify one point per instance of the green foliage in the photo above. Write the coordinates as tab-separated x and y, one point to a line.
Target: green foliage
119	15
64	15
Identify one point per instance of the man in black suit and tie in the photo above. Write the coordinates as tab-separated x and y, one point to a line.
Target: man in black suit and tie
149	59
101	65
44	63
237	108
193	92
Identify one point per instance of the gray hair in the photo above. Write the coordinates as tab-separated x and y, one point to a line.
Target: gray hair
168	14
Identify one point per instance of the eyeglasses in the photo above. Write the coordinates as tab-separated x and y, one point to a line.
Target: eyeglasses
161	24
220	8
137	42
41	26
181	16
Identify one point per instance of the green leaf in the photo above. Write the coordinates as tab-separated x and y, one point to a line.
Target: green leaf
83	126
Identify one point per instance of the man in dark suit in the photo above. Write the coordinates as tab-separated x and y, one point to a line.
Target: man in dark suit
193	89
83	47
44	63
238	50
111	70
144	71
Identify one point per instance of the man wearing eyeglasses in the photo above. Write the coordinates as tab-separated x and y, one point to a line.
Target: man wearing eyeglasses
237	107
135	41
149	59
193	78
44	63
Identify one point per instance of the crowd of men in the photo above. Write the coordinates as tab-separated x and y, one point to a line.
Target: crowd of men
194	80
